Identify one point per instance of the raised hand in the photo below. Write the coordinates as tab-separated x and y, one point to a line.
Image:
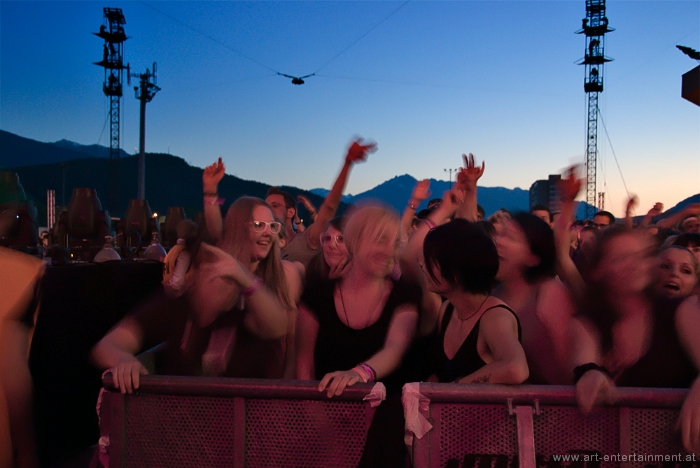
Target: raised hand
570	185
421	191
212	175
359	150
307	204
656	210
470	173
631	203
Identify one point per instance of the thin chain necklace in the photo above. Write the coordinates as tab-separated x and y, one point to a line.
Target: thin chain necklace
345	310
472	315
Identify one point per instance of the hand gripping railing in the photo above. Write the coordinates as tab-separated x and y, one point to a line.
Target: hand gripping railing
529	426
201	421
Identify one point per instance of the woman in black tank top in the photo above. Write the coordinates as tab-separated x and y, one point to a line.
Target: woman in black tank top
478	333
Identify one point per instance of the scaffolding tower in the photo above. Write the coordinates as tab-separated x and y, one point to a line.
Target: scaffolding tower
595	26
112	31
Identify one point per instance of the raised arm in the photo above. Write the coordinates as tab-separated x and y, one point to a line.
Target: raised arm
357	152
655	210
421	192
631	203
387	360
467	178
211	177
506	362
569	187
690	210
413	252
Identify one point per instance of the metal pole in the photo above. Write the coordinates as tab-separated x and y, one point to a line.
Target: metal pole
142	141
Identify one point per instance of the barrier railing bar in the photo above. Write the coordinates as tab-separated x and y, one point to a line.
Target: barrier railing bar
526	436
625	434
239	431
246	388
547	395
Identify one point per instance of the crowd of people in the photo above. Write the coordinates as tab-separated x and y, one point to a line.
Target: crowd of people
442	295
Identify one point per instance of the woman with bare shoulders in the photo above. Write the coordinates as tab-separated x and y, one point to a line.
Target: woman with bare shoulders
526	273
478	333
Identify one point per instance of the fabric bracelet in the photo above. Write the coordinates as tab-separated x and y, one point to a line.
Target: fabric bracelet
370	371
362	373
254	286
579	371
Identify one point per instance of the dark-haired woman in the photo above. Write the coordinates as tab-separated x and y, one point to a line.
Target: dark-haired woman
478	333
526	273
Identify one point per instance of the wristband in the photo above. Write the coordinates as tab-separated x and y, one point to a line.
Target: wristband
254	286
362	373
372	374
431	225
412	205
211	194
580	370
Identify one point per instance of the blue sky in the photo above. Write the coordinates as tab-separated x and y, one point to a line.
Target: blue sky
434	80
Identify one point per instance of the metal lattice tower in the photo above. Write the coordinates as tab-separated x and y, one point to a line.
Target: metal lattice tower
595	26
112	31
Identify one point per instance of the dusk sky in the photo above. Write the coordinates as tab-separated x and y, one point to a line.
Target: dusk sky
427	80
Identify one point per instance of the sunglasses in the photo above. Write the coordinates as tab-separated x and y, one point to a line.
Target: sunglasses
339	239
259	226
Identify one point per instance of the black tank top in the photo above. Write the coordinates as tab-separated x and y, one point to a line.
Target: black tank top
466	360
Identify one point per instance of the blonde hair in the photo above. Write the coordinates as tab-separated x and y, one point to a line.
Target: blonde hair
370	222
236	242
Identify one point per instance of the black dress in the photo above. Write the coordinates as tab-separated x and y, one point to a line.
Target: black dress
339	347
467	359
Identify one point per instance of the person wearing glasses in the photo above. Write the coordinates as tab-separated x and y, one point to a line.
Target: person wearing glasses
235	319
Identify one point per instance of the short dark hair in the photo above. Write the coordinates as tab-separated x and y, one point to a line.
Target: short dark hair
541	208
540	239
607	214
289	201
688	239
481	211
464	254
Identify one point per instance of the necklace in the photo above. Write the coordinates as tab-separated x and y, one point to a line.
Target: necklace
475	312
345	310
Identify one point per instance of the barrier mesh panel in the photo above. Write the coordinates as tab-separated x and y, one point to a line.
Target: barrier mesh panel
169	431
293	433
561	430
652	433
472	435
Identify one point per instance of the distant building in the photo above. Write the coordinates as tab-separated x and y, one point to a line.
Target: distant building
544	192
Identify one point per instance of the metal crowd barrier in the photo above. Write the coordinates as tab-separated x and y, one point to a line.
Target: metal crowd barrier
221	422
217	422
469	426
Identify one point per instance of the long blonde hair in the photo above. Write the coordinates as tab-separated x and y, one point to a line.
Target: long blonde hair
370	222
236	241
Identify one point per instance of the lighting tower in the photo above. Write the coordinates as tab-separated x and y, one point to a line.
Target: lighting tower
112	31
595	26
145	92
